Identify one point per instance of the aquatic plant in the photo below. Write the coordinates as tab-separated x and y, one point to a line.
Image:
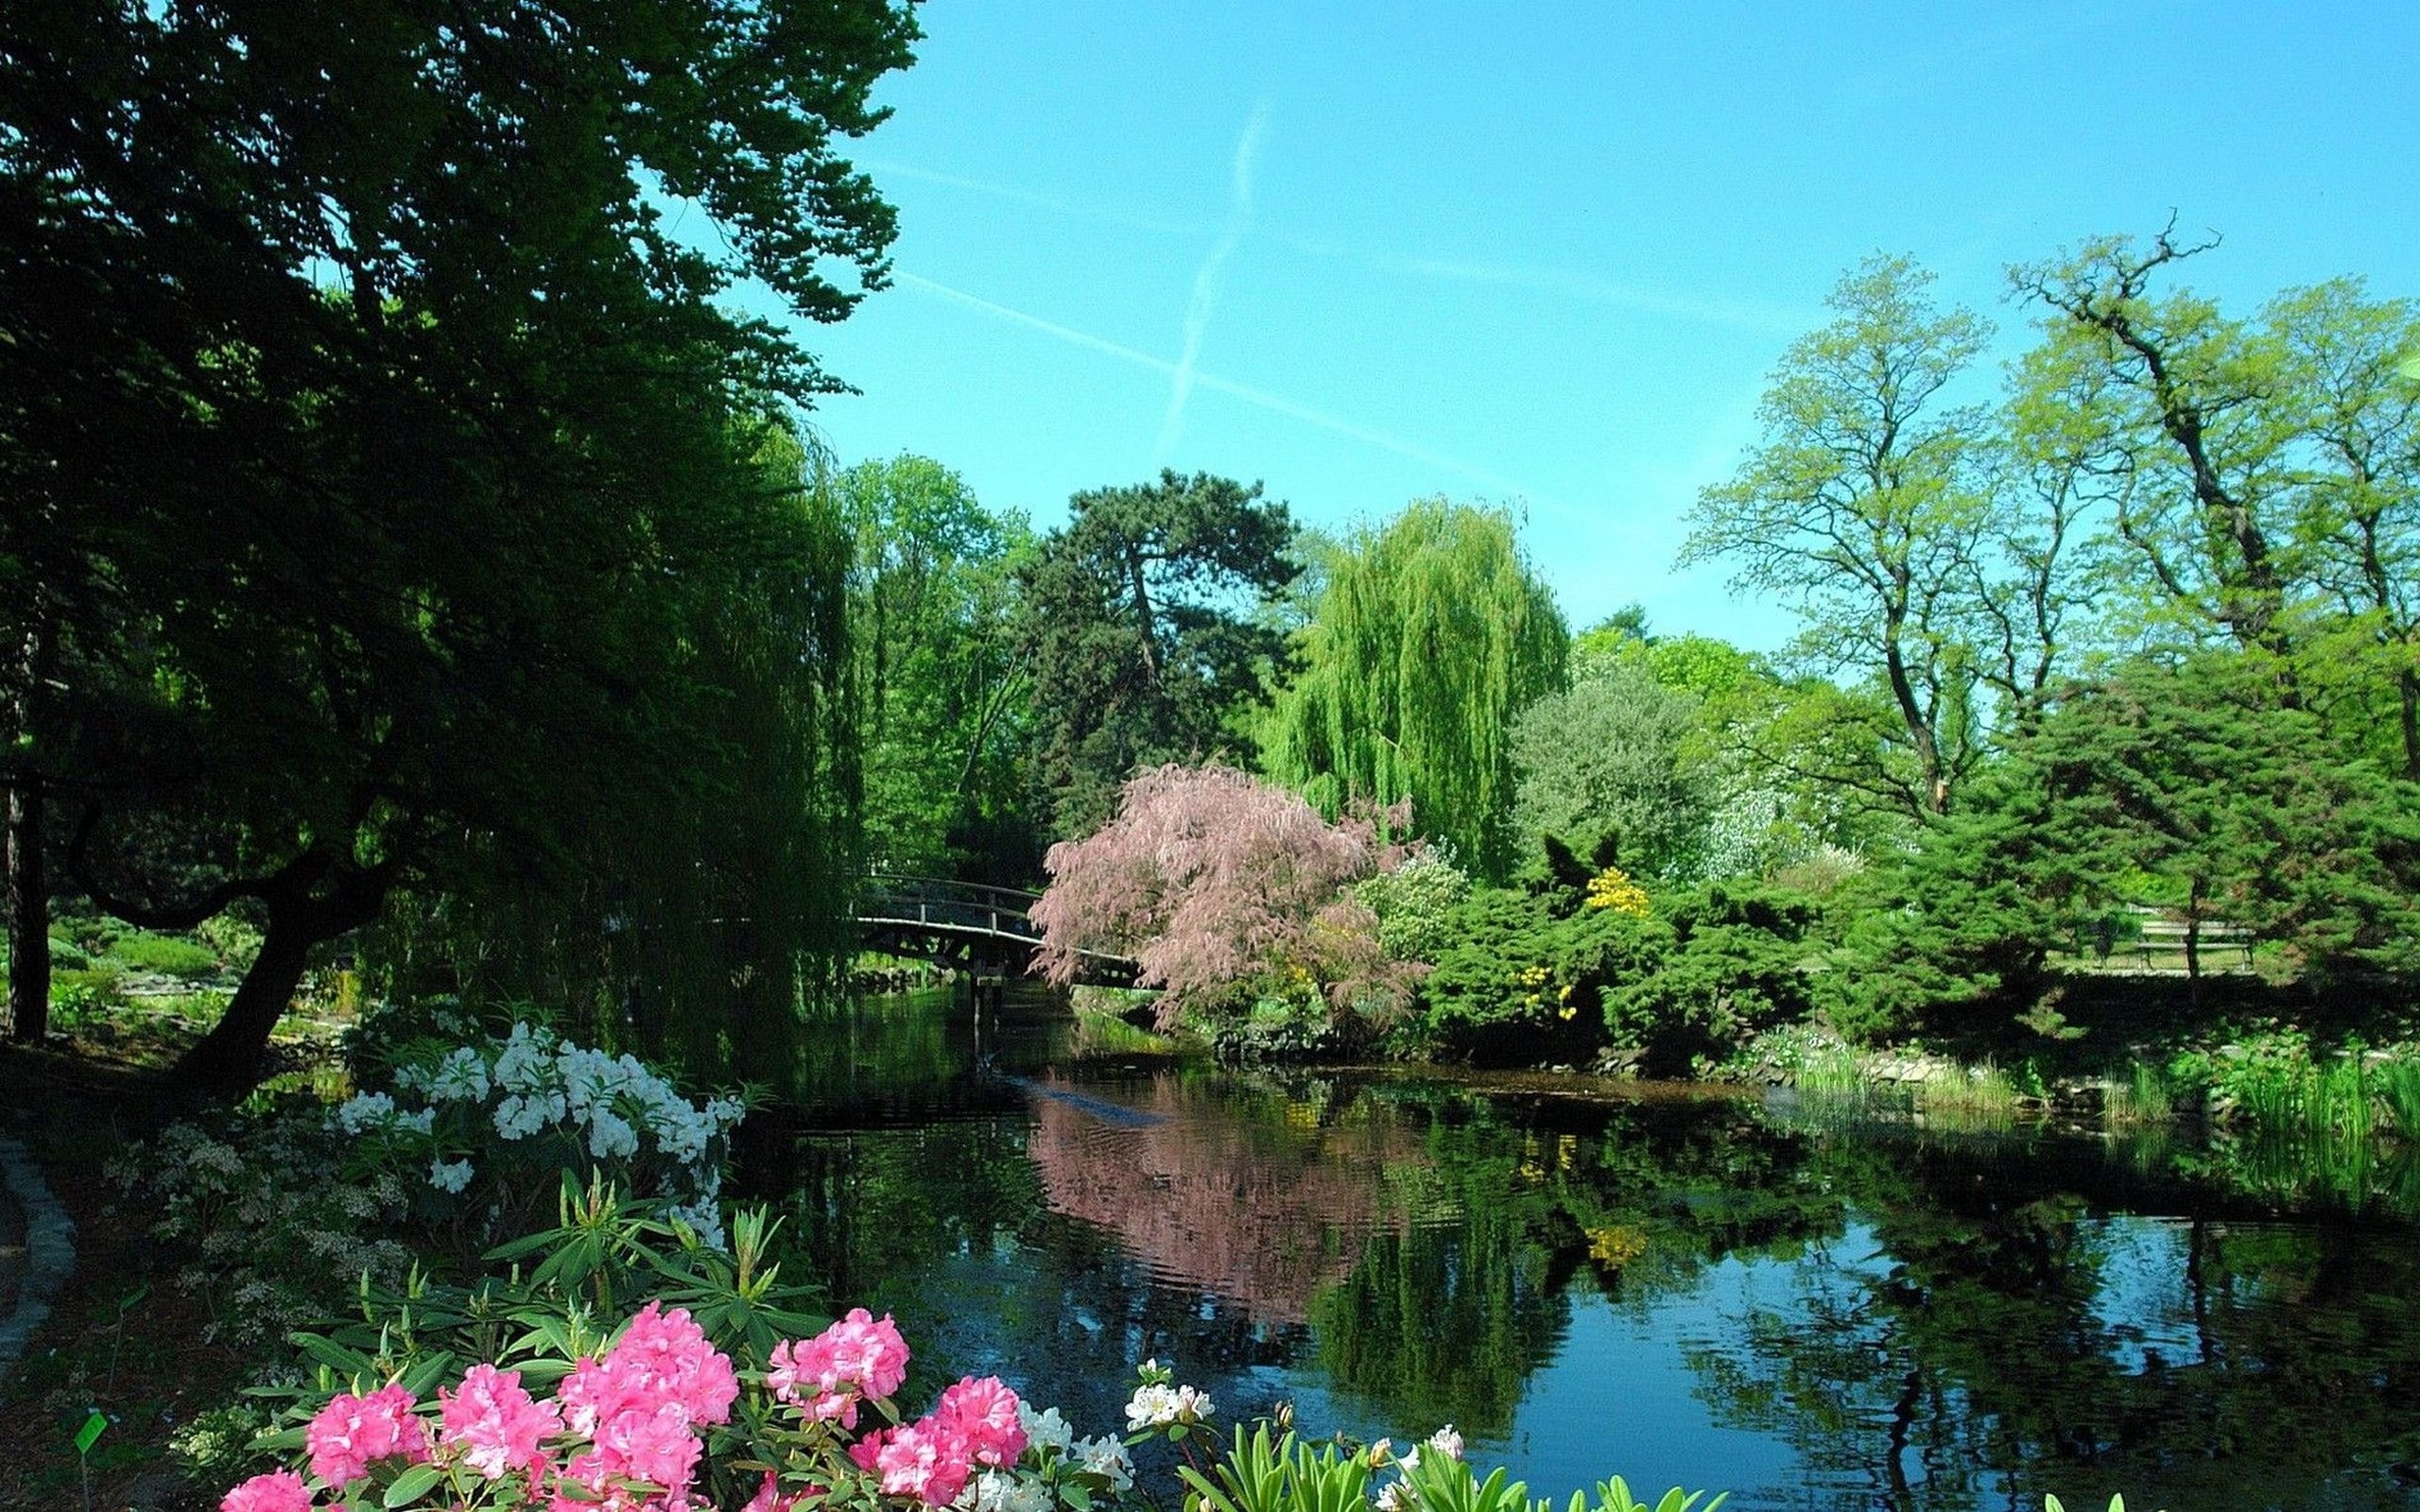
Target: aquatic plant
1980	1096
2141	1097
2397	1083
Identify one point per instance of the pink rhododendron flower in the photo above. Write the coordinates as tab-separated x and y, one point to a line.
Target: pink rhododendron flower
795	1371
926	1459
637	1444
824	1376
984	1413
280	1491
671	1355
351	1432
497	1422
663	1357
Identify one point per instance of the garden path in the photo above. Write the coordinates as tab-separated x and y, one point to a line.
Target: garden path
36	1251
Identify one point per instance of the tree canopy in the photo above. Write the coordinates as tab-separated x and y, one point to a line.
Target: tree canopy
393	499
1432	633
939	670
1146	623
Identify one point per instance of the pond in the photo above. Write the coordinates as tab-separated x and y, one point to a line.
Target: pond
1677	1287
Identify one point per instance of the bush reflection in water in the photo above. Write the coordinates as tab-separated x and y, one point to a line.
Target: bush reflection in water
1687	1292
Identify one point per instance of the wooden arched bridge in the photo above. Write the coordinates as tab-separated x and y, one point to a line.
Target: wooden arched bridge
981	930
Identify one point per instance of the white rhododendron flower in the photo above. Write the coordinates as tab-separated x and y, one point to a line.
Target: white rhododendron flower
1046	1429
1106	1457
532	1083
1446	1442
1154	1405
461	1077
367	1111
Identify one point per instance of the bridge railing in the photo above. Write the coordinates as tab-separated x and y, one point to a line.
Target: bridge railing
900	884
956	912
897	901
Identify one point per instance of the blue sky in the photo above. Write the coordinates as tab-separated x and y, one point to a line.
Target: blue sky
1546	253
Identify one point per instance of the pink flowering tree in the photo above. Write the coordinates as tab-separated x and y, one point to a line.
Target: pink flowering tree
1222	888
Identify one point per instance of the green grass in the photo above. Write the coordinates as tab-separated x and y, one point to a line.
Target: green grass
1106	1034
167	955
1830	1073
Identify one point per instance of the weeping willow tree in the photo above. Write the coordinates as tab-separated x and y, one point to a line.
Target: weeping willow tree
687	894
1431	633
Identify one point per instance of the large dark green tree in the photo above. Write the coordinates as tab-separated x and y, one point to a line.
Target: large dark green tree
403	506
2192	785
1432	633
1148	626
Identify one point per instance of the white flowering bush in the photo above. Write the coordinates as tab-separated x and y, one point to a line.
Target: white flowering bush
484	1129
257	1232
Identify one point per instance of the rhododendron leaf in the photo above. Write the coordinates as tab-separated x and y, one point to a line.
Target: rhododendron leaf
1076	1497
411	1486
544	1372
345	1363
526	1245
282	1441
427	1372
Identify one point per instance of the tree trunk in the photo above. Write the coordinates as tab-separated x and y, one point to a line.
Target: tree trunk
232	1056
1144	623
1934	785
2193	946
27	888
2408	685
25	882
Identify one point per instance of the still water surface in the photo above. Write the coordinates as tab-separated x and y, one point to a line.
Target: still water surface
1680	1289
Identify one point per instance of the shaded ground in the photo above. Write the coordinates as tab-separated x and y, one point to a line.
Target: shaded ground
110	1344
13	1255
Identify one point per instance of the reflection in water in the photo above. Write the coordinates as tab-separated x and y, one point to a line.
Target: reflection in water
1825	1318
1215	1192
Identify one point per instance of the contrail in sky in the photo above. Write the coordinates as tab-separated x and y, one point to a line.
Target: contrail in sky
1746	314
1258	397
1205	283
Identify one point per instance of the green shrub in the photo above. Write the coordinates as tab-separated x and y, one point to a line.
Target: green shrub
1734	967
166	955
1416	903
75	995
232	936
1526	982
260	1234
93	934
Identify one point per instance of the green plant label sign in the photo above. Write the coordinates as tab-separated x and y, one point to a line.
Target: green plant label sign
90	1433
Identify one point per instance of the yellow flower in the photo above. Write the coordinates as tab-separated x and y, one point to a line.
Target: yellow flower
1611	888
1617	1247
